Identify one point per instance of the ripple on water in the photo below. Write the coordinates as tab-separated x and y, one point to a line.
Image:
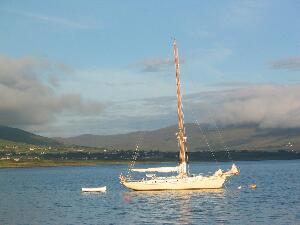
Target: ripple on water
53	196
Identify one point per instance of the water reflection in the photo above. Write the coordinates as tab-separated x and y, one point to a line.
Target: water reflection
182	206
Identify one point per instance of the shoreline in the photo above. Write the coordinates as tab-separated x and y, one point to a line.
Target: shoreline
56	163
62	163
65	163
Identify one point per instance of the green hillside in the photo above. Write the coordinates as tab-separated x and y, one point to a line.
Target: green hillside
21	136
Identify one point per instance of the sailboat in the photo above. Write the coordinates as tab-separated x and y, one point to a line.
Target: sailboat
182	180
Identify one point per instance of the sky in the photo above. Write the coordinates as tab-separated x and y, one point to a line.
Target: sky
72	67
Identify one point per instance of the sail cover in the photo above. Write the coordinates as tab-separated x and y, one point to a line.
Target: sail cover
157	169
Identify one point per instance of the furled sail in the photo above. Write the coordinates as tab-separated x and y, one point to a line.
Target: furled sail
157	169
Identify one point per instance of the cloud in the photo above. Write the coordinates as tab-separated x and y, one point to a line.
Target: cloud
292	63
28	96
154	65
269	106
50	19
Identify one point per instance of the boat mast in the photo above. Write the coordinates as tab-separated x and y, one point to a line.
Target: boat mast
181	131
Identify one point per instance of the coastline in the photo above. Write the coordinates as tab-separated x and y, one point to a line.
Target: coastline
55	163
63	163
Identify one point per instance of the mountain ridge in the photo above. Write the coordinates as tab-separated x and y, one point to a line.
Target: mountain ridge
240	137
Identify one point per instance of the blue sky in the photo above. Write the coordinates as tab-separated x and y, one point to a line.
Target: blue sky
113	60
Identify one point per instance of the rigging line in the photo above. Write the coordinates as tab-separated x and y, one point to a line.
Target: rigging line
135	153
218	130
220	134
205	138
207	143
202	131
222	139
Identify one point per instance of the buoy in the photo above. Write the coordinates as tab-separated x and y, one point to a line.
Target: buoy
253	186
239	187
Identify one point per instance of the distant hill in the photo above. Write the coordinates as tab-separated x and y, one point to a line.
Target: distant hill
247	137
18	135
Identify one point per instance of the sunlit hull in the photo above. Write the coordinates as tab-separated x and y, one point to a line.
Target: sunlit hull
215	181
176	183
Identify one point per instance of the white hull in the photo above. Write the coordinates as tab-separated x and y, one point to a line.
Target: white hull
176	183
97	189
216	181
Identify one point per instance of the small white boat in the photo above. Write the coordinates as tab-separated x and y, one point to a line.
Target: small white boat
96	189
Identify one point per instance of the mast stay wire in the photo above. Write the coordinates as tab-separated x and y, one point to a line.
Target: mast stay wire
210	148
219	130
135	154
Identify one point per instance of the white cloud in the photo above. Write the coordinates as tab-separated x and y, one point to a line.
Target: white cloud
266	105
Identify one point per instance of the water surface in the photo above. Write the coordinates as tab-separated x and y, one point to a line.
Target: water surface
52	196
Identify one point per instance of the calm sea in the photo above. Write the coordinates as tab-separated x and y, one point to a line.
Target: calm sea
52	196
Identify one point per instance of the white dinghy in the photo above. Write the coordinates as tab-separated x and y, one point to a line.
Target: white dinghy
96	189
182	180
